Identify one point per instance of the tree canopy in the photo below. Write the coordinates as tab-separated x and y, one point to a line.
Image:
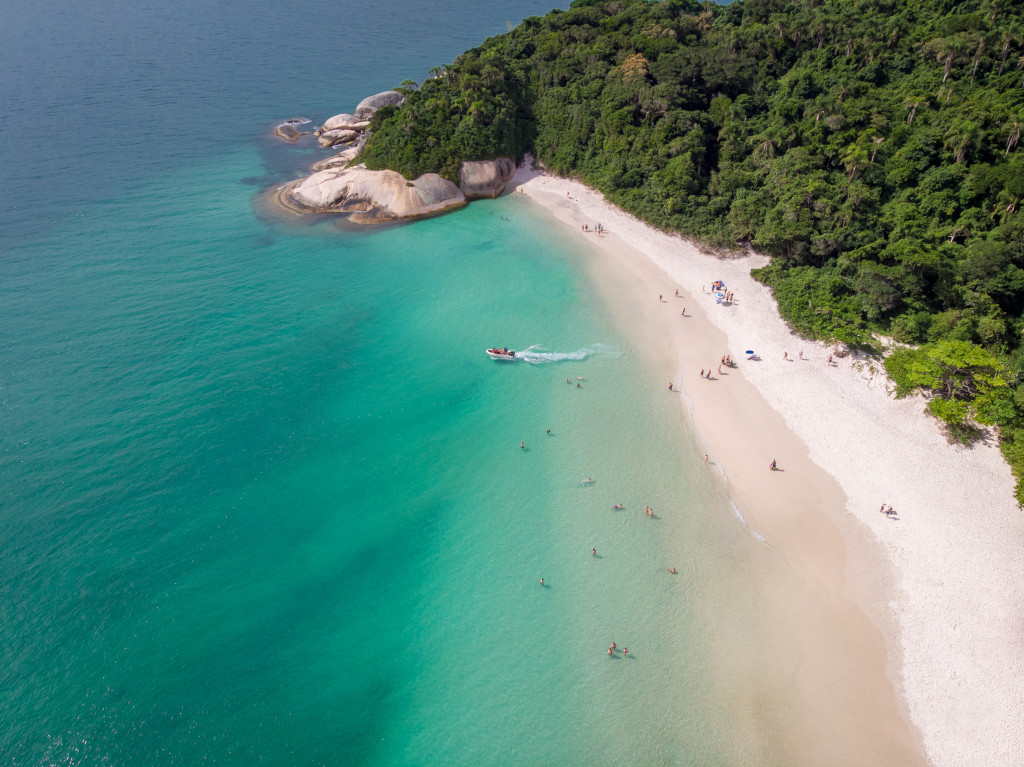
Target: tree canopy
870	147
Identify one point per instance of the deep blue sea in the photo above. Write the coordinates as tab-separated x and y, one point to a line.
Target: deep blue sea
262	496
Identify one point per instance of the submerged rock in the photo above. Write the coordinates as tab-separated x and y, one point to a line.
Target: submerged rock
289	129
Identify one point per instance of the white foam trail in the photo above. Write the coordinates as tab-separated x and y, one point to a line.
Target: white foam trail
739	516
537	354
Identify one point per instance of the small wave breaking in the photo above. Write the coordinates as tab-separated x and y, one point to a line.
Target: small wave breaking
537	354
740	517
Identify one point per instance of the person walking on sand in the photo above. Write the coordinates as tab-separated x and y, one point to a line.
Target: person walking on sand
705	457
659	298
829	360
702	372
785	355
773	466
670	386
684	312
801	354
719	370
677	292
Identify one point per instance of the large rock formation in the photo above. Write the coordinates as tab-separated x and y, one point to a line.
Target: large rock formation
340	136
345	122
372	195
340	160
485	178
345	128
371	104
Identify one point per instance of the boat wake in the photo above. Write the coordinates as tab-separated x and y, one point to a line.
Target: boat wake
537	354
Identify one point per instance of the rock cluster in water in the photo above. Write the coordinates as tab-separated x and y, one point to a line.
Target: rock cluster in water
372	196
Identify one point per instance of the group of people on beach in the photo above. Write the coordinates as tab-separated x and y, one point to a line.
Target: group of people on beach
887	510
597	228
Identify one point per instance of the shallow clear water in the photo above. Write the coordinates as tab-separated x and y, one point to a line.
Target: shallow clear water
262	492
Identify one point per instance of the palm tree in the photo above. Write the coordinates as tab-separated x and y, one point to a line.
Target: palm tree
948	52
878	140
1007	40
855	158
767	143
912	105
961	138
1014	137
977	59
1006	205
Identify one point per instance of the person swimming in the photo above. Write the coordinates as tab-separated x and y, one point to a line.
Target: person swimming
671	570
617	507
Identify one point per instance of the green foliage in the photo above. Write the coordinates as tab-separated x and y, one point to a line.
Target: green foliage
967	385
873	150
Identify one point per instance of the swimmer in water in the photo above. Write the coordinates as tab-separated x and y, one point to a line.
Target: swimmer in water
617	507
541	581
593	552
522	445
671	570
625	651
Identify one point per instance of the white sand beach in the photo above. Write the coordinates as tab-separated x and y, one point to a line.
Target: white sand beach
925	609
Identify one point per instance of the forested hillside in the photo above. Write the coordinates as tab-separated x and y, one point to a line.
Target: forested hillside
871	148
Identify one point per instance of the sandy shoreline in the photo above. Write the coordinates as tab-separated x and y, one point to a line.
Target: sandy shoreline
927	609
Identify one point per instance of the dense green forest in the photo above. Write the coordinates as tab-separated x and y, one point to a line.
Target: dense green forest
871	147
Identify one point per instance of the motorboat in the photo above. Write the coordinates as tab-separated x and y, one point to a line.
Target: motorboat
502	354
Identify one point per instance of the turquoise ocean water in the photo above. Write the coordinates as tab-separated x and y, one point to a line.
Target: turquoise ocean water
263	498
